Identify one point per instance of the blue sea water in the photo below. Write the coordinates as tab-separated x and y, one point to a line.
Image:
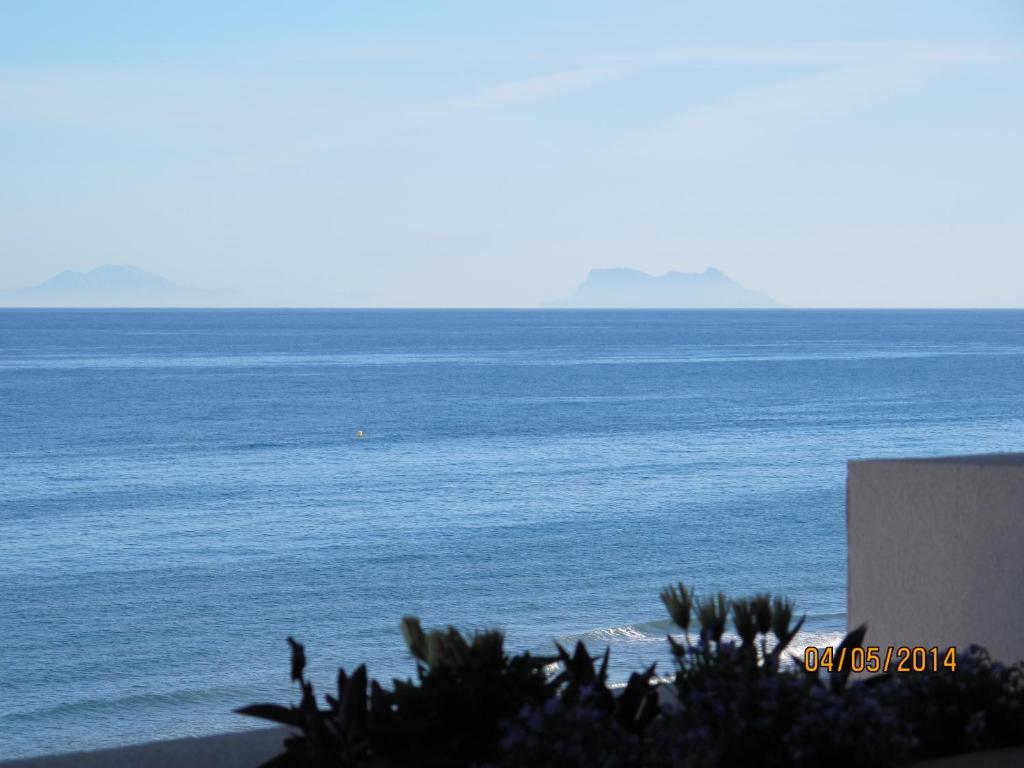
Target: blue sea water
181	490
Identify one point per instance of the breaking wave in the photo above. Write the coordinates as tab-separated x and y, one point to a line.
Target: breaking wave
635	646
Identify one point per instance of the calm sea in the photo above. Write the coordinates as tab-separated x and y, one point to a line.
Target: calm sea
181	490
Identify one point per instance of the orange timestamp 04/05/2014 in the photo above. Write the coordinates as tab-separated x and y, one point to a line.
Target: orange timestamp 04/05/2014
874	659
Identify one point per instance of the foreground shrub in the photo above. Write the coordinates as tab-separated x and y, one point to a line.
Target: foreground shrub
466	690
585	723
734	700
739	704
980	706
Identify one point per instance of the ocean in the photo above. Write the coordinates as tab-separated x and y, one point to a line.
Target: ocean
182	490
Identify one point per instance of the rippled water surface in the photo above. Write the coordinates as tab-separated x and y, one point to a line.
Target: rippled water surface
183	489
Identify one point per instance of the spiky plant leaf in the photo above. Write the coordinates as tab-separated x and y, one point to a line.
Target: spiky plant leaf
298	659
275	713
782	615
839	675
414	638
743	619
761	605
678	602
712	614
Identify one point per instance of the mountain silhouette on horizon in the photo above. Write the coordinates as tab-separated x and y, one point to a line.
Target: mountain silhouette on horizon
633	289
110	286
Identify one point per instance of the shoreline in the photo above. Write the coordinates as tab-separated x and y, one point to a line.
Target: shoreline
238	749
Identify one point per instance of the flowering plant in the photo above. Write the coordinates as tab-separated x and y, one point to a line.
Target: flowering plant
734	700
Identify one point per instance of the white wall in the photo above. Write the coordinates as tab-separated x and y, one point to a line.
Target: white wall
936	552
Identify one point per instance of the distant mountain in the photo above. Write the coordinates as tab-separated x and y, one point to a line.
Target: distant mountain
633	289
111	286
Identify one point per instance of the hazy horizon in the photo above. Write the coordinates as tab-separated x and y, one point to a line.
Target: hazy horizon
453	155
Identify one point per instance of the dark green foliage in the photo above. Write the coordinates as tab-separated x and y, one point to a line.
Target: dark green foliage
679	604
735	700
338	736
466	689
839	677
737	704
633	708
585	723
979	706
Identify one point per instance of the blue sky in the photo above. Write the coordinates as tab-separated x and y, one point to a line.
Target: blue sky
476	154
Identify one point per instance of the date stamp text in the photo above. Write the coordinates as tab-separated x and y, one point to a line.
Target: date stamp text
884	659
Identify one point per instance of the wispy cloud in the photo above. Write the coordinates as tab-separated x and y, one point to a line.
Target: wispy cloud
899	55
746	126
848	52
563	55
530	88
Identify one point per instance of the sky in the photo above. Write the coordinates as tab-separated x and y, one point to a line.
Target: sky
829	154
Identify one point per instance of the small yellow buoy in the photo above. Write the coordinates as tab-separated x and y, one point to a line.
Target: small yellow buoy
359	433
